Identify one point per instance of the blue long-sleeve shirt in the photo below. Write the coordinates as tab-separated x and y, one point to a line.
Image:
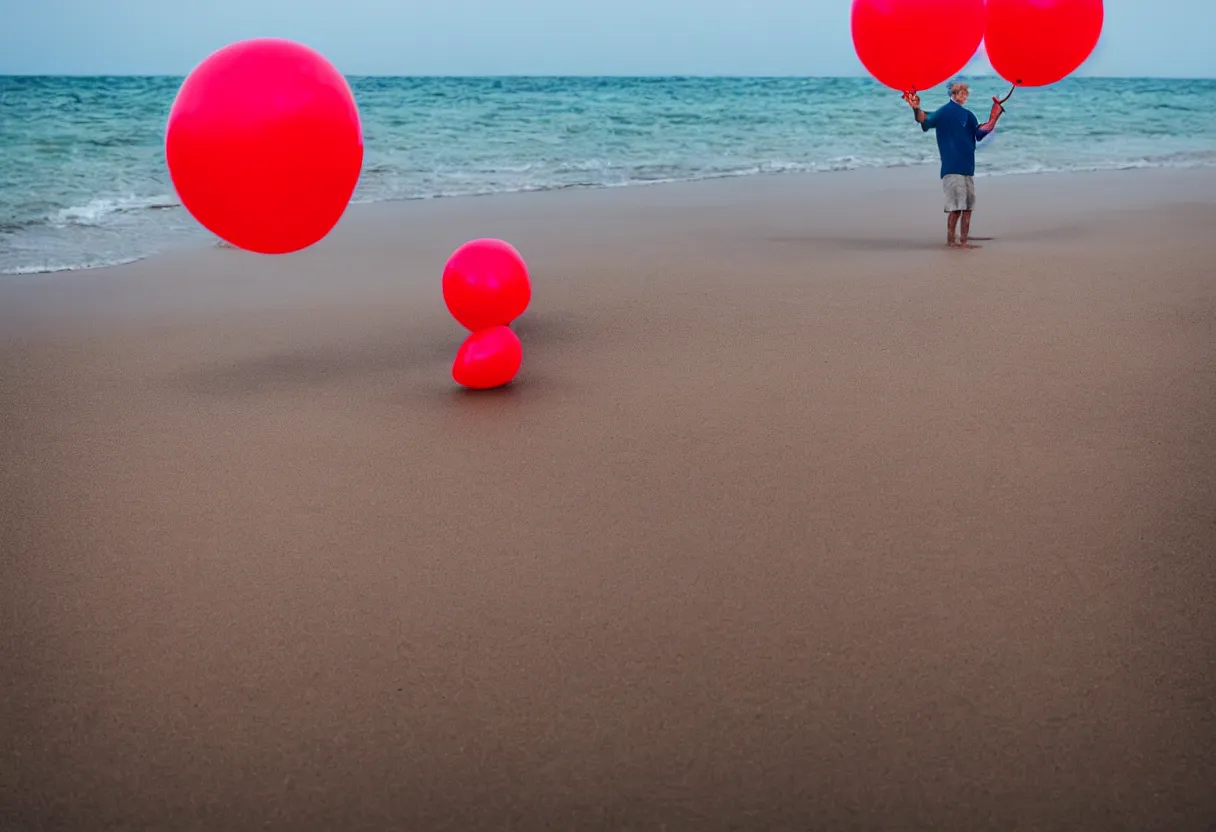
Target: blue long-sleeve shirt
958	132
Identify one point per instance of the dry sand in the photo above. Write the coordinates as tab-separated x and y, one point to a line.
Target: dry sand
794	520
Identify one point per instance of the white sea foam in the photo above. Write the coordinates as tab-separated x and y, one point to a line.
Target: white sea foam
52	268
99	210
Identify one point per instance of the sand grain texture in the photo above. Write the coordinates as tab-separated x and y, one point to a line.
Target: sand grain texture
793	520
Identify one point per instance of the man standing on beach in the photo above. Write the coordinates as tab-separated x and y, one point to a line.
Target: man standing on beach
958	132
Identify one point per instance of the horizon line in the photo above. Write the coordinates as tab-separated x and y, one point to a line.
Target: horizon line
593	75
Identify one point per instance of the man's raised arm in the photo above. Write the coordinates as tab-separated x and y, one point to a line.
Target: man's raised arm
925	120
988	126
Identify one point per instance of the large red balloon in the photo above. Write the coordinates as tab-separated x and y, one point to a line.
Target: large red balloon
486	283
916	44
488	358
264	145
1032	43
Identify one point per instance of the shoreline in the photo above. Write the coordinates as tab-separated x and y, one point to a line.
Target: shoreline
891	212
190	240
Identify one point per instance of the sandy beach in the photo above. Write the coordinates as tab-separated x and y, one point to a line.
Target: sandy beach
793	520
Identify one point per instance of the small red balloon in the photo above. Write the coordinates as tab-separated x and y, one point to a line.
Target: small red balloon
485	283
1032	43
488	358
264	145
916	44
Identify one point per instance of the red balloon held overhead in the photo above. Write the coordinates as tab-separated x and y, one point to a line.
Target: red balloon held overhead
488	358
1032	43
264	145
486	283
916	44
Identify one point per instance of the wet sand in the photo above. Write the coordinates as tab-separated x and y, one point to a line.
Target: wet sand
793	520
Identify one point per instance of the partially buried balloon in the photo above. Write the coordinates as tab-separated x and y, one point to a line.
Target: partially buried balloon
916	44
264	145
488	358
486	283
1032	43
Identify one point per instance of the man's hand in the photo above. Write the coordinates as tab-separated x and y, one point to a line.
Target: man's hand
913	100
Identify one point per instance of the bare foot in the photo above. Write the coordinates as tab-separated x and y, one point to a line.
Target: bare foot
968	245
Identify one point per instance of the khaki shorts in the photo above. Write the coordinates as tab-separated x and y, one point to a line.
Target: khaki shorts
960	192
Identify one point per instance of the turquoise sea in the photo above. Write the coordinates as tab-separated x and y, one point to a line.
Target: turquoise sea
83	180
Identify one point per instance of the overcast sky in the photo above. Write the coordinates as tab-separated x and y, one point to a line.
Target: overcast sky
541	37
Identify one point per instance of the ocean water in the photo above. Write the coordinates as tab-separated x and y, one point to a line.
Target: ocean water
83	181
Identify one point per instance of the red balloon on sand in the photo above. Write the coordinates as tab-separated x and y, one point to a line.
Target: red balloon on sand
264	145
916	44
1032	43
488	358
486	283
